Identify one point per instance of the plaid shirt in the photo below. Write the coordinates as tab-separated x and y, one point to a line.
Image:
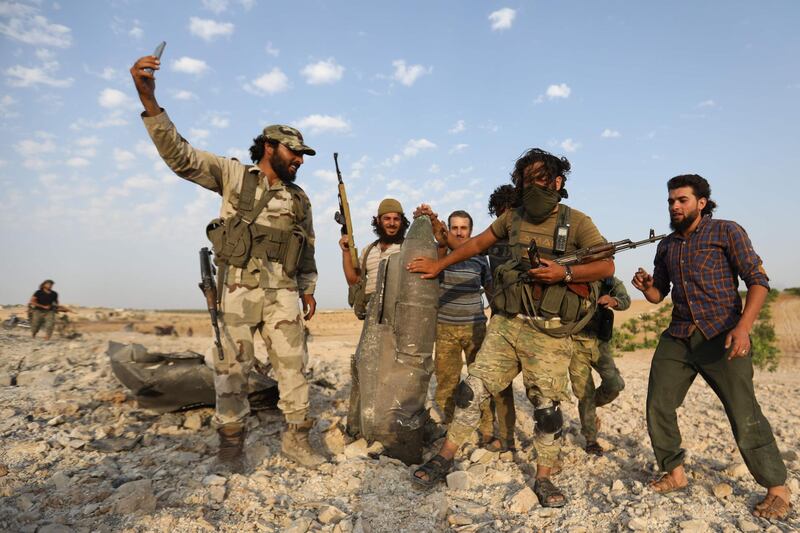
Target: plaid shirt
703	270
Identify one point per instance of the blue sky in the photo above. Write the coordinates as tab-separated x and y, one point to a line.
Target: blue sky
424	101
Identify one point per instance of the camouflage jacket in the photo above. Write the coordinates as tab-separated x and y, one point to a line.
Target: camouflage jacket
224	176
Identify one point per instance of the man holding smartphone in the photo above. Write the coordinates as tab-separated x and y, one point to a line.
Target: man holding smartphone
264	247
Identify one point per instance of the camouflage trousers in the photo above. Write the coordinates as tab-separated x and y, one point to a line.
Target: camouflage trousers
590	353
513	345
451	339
275	314
40	318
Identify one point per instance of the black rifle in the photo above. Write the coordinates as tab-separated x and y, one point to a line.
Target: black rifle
604	251
209	289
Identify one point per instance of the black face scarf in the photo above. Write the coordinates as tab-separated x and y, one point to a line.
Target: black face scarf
539	202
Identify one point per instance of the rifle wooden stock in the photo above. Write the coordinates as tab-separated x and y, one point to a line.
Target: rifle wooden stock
343	216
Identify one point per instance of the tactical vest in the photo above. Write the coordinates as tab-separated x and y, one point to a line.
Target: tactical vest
240	237
573	304
357	293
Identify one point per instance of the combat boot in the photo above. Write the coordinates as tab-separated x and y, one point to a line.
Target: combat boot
296	446
230	454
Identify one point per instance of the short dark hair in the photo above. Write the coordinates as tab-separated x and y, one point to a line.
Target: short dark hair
461	214
700	188
552	167
257	150
503	198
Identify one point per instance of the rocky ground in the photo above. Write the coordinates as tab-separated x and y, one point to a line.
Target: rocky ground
77	454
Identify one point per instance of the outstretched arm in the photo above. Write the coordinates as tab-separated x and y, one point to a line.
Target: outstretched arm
430	268
145	82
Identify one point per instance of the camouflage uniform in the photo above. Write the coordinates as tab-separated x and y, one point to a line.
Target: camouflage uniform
259	297
590	353
521	343
43	317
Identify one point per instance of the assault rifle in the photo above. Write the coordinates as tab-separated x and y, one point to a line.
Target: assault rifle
604	251
209	289
342	216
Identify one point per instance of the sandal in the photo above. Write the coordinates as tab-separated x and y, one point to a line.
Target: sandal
548	493
594	448
436	469
772	506
666	484
496	444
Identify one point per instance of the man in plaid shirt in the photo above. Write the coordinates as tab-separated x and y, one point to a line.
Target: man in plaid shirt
709	335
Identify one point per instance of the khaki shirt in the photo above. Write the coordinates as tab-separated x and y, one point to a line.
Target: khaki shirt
224	176
582	232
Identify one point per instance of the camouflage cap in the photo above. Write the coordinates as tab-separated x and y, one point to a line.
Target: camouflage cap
288	136
389	205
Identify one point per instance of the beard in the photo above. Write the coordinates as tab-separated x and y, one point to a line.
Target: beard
384	237
684	224
282	169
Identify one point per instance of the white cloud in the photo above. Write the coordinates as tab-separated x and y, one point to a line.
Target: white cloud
434	169
140	181
115	99
87	141
215	6
458	148
35	147
123	158
19	76
190	65
146	149
238	153
414	146
184	95
323	123
136	32
208	30
568	145
358	166
198	134
323	72
408	74
561	90
26	25
112	119
707	103
271	50
108	74
271	82
77	162
502	18
44	54
219	121
326	175
6	103
610	134
458	127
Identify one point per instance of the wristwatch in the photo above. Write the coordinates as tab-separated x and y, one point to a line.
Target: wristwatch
567	274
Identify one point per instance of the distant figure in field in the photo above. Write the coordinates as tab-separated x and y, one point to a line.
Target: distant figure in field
43	306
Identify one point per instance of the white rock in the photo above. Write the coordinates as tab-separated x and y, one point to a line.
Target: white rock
36	379
459	520
478	454
213	480
330	515
747	526
737	470
60	480
134	496
694	526
193	421
300	525
637	524
56	420
6	380
523	501
617	486
458	480
217	493
722	490
356	449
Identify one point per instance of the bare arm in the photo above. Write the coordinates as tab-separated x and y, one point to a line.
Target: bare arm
351	274
430	268
644	282
145	83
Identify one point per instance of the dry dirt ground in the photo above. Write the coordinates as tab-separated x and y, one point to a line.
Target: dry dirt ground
65	404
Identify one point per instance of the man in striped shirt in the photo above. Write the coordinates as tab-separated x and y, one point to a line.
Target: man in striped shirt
461	326
701	261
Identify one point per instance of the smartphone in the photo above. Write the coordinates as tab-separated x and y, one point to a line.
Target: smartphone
157	52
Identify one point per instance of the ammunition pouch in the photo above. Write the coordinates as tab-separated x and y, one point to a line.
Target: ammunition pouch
605	324
573	304
231	240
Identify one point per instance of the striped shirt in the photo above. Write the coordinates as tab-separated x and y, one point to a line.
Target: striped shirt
703	272
460	287
373	260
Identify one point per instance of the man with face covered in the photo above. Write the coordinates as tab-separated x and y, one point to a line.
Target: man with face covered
699	264
264	246
539	310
